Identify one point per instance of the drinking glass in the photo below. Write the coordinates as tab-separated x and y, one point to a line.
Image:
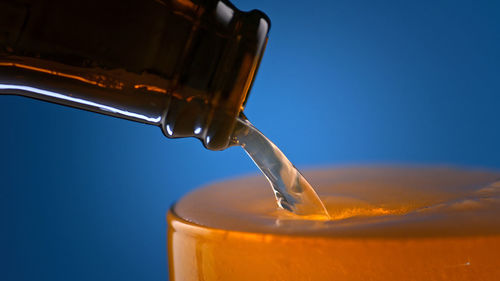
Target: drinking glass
386	223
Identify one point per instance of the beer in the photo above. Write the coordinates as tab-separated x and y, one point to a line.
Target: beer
386	223
291	190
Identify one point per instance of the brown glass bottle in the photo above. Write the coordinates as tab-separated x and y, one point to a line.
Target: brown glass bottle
184	65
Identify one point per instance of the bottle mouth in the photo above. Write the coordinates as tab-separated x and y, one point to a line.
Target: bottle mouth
244	56
221	58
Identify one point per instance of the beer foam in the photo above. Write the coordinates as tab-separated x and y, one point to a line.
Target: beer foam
380	201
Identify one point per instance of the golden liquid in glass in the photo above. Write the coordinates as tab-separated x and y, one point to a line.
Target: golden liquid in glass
387	223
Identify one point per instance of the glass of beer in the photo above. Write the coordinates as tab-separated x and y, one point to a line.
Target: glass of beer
387	223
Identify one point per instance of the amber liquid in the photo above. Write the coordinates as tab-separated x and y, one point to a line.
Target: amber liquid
386	223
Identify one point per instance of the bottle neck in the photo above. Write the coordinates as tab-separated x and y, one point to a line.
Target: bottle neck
179	65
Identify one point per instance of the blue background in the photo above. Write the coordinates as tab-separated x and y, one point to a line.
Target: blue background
84	196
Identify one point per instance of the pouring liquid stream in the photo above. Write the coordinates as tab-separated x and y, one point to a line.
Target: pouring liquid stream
292	191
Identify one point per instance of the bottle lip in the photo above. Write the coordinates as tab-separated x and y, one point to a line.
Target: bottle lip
249	40
258	12
263	29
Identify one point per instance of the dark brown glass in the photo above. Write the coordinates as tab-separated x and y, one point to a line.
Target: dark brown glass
184	65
